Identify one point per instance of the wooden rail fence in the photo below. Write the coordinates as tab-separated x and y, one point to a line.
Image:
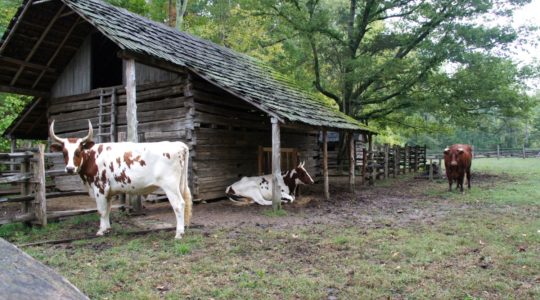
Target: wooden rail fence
382	161
27	178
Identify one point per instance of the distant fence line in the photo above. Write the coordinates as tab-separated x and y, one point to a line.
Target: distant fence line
497	152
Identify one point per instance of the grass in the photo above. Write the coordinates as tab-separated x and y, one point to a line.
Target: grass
486	246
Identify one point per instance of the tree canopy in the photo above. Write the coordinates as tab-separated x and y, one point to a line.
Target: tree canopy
421	71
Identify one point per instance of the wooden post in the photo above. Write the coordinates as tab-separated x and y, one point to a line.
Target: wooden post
13	148
498	151
524	156
396	160
364	165
386	147
407	154
131	117
40	202
276	164
325	164
416	158
430	169
352	162
25	185
440	168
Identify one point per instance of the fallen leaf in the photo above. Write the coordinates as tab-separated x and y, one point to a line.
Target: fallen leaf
162	288
522	248
395	254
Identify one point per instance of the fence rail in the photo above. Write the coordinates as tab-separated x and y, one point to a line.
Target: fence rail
381	161
26	178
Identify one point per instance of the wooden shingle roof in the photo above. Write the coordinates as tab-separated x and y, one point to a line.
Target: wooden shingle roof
237	73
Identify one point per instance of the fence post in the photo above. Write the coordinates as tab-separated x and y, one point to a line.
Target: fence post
396	160
416	158
524	151
386	161
40	202
352	162
430	169
364	165
25	185
440	168
498	151
406	165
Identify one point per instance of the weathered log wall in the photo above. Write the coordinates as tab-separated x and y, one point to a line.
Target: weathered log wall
227	136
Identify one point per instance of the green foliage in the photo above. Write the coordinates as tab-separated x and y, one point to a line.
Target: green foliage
10	107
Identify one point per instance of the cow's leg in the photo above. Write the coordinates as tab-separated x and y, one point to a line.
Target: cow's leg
177	203
460	182
104	210
449	182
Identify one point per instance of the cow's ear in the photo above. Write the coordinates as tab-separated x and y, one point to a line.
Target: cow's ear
56	148
446	151
88	145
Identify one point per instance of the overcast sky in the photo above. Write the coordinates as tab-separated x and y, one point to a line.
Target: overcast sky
529	15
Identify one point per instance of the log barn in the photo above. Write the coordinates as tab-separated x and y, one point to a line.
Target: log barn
139	80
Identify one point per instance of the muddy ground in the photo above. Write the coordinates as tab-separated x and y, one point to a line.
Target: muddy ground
395	202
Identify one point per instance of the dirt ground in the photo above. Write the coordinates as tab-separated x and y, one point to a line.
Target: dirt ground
399	203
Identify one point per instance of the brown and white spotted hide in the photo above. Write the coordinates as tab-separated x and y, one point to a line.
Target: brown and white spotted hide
109	169
258	189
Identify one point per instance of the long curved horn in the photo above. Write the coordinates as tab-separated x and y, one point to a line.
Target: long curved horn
53	136
90	133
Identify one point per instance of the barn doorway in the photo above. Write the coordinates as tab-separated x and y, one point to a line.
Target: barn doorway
106	65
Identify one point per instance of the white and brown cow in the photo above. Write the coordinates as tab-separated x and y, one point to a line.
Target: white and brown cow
109	169
259	188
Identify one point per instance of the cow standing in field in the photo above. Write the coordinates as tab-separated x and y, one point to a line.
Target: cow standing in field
259	188
109	169
457	160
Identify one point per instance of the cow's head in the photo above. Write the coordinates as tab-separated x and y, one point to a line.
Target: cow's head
302	176
452	155
72	148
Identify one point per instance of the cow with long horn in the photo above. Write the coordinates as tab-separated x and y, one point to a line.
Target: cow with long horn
109	169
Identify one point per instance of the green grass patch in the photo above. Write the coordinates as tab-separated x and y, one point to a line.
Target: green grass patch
275	213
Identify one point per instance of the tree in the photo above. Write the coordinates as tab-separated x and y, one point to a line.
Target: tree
370	56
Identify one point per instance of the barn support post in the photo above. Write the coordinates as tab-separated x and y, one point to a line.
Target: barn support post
352	162
325	164
40	202
131	117
276	164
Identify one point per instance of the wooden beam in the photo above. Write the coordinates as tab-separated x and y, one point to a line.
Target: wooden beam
276	164
15	26
38	43
53	57
151	61
27	64
21	119
24	91
131	117
40	201
325	164
352	163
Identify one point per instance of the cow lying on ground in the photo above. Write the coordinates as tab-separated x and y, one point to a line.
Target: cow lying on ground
109	169
457	160
259	188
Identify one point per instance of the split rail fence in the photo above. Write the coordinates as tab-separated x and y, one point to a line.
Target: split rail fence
381	161
27	178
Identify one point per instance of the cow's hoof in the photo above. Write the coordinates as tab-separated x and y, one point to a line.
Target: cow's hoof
178	236
100	233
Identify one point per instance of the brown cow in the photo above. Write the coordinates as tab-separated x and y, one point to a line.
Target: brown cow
457	160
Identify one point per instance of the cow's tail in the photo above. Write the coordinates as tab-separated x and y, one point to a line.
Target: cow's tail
184	189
